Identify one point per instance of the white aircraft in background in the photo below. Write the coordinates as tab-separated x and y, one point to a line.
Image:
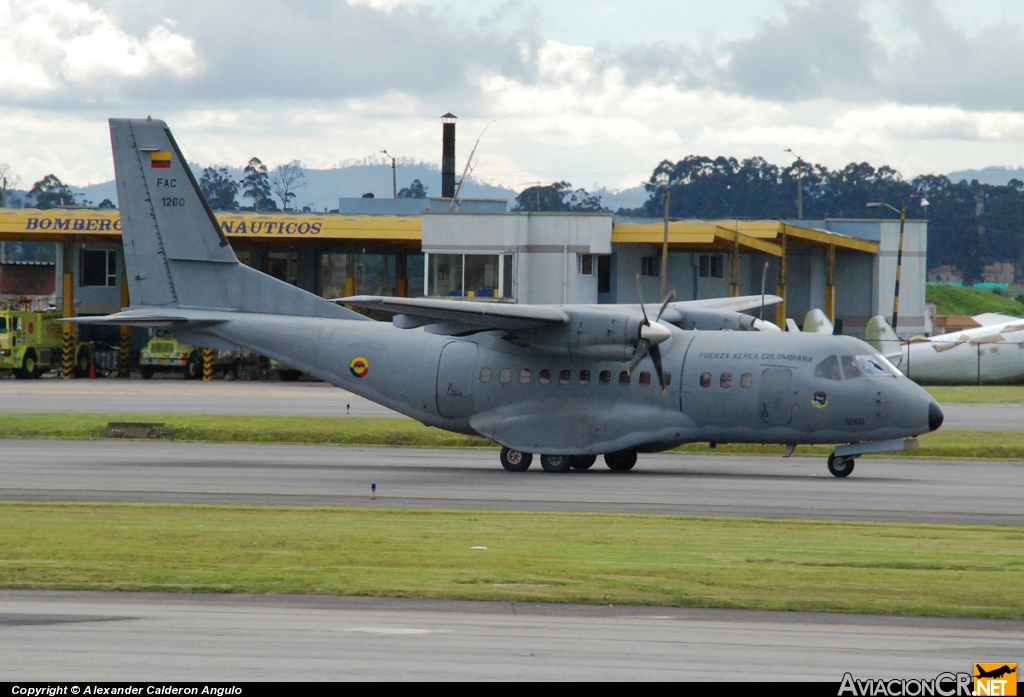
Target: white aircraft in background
992	354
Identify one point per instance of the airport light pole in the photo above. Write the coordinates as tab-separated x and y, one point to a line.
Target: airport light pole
394	176
902	210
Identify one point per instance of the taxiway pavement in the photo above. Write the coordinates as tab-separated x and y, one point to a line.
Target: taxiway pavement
984	492
91	636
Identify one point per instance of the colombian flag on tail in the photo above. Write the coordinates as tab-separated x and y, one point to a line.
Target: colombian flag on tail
161	159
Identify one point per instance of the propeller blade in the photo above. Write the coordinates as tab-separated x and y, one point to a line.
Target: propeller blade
642	348
640	296
655	352
668	299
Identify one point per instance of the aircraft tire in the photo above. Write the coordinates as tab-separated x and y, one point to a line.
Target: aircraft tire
147	372
556	463
840	466
194	367
583	462
620	460
515	460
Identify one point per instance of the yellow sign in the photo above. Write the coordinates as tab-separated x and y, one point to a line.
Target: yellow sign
995	679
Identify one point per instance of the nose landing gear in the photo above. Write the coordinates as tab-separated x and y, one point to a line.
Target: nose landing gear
840	466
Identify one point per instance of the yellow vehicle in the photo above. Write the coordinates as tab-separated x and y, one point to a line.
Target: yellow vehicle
32	343
165	354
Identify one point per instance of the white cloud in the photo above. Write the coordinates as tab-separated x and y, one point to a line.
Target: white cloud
47	44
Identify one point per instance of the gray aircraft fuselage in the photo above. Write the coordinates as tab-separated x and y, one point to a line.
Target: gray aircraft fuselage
770	393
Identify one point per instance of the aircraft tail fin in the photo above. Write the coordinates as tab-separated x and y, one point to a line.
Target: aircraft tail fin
791	325
880	335
817	322
176	255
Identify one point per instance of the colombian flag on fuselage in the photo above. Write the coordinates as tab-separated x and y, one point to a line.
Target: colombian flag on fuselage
161	160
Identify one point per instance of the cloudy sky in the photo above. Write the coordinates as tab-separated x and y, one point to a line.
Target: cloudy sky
592	91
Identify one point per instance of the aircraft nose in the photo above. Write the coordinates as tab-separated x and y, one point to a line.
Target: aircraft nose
935	416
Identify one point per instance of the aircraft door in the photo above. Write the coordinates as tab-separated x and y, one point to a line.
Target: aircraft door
455	379
776	395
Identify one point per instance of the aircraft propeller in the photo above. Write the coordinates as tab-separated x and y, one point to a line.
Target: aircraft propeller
649	335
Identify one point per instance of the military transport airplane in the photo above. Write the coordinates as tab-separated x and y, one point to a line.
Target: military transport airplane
990	354
568	382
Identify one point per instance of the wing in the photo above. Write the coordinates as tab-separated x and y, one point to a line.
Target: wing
738	304
987	319
458	316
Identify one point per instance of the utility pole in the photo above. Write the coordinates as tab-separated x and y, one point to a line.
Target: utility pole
799	185
394	176
664	248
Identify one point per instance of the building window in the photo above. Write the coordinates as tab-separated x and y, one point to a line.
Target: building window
505	376
586	264
725	380
705	379
524	376
624	377
545	376
605	378
464	275
746	380
485	375
650	266
99	268
584	377
564	377
645	379
604	274
712	266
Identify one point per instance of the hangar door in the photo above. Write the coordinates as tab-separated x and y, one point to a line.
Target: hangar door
776	395
455	379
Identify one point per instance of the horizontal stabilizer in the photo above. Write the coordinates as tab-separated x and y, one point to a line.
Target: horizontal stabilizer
156	318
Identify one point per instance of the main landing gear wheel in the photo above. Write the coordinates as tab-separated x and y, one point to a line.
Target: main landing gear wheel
515	460
840	466
194	367
556	463
621	460
583	462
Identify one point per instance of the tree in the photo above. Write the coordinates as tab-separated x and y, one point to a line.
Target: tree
50	192
219	188
556	197
256	185
107	203
8	181
285	180
414	190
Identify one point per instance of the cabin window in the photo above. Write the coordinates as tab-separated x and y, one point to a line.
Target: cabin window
485	375
746	380
705	379
584	377
850	368
564	377
624	377
606	377
545	376
725	380
645	379
524	376
828	369
505	376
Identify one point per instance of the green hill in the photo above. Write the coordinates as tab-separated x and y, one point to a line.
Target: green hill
954	300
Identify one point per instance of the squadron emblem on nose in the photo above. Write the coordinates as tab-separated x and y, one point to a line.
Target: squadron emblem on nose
820	400
359	367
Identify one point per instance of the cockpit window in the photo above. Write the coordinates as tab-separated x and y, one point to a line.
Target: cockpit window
3	325
850	369
828	369
876	365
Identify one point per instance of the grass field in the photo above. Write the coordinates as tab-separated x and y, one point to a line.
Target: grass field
563	557
954	300
408	433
